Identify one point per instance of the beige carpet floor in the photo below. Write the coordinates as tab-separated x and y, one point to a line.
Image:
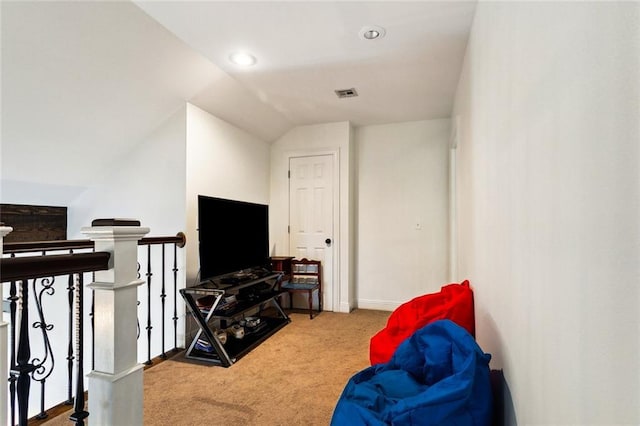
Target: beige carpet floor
293	378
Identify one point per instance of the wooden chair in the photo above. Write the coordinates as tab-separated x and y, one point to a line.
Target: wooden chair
306	277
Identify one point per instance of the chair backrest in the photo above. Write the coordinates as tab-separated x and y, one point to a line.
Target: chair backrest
305	271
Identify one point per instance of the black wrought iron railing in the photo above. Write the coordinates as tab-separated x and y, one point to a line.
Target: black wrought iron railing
58	314
39	273
166	276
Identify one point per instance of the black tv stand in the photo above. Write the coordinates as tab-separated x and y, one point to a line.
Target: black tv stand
218	305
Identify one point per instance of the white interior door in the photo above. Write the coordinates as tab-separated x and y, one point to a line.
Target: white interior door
311	202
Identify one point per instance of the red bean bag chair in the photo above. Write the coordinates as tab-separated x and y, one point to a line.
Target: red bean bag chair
453	302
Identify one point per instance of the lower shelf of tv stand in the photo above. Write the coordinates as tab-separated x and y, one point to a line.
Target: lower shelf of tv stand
237	348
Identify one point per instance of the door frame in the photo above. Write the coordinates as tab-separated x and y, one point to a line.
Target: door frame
335	273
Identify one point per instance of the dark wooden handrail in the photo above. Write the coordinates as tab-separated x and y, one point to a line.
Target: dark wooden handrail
180	240
30	267
38	246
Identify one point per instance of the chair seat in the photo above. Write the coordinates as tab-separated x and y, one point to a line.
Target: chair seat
299	286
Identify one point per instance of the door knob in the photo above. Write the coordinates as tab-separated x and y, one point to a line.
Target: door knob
328	241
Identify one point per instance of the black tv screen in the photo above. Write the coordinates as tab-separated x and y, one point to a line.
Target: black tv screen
234	236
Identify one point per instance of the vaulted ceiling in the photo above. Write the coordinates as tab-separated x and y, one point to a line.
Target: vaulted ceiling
307	50
86	80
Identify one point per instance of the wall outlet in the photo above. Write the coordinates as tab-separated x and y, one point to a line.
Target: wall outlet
418	226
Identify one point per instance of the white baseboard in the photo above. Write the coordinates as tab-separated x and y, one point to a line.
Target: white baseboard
378	305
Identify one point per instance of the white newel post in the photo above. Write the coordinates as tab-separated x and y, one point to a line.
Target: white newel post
4	342
115	384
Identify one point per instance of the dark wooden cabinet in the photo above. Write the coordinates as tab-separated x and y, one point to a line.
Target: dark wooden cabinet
34	223
282	264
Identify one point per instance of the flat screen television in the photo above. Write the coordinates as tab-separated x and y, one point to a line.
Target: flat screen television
233	236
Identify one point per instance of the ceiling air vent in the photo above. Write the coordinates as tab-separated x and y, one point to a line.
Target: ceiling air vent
347	93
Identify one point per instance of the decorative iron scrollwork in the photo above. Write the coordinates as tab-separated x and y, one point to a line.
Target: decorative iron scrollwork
43	366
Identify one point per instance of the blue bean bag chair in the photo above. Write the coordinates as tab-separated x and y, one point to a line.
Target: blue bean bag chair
439	376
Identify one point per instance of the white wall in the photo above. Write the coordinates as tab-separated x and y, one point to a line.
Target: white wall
221	161
148	184
309	139
549	205
402	177
42	194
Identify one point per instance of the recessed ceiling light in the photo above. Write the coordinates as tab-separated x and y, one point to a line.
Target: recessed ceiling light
243	59
371	32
